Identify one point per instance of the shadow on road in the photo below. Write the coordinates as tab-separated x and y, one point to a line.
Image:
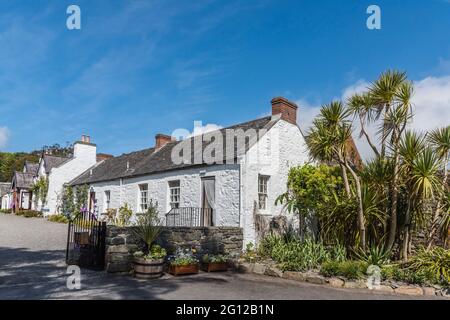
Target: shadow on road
28	274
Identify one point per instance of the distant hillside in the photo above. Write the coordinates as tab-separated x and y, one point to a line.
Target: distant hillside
14	161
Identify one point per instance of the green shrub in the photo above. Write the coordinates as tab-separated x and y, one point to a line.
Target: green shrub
349	269
434	263
250	254
29	213
6	211
58	218
398	273
300	255
375	255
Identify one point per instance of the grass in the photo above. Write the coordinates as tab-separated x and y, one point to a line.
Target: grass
59	218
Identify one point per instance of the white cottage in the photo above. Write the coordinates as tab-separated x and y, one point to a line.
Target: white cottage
61	170
223	178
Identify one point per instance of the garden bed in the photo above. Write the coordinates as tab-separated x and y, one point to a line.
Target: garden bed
269	268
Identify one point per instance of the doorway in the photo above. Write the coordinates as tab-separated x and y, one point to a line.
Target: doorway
208	201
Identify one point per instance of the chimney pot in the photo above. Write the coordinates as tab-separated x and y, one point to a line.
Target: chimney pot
162	140
286	108
88	139
83	138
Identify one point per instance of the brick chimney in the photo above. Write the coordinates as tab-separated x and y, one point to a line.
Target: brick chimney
162	140
286	108
103	156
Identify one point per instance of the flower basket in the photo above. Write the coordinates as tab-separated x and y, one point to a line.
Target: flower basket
214	267
148	269
180	270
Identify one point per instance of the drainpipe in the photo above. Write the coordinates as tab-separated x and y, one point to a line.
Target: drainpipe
120	191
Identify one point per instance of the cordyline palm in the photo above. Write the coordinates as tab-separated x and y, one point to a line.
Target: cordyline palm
411	147
440	141
382	93
362	106
328	141
394	125
323	138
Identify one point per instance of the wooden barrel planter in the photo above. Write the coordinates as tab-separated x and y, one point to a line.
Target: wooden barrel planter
148	269
213	267
179	270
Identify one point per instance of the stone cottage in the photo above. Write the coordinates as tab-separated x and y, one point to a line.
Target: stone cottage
229	177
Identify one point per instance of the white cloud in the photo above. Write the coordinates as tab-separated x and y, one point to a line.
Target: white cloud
4	136
199	129
431	105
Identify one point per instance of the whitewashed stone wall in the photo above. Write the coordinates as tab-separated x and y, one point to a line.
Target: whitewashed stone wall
226	177
282	148
84	157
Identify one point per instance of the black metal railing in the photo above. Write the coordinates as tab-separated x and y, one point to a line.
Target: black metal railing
189	217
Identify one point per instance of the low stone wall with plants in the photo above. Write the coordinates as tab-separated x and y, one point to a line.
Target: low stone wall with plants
121	243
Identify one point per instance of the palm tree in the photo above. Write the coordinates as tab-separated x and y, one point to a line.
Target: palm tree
382	93
394	125
440	140
328	141
411	146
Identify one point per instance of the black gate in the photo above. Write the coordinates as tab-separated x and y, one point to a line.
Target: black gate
86	242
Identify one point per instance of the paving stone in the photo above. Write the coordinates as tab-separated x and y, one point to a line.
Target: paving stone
359	284
259	268
293	275
429	291
409	290
273	271
336	282
315	278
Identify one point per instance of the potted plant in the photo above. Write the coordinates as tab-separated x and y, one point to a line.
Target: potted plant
183	262
149	262
215	262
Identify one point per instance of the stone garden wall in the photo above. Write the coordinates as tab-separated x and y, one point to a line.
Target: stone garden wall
120	243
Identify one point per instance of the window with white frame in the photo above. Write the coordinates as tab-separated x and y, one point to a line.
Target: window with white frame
174	194
143	197
262	191
107	200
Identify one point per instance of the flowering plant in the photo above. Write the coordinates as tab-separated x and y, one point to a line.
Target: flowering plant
215	258
183	257
156	252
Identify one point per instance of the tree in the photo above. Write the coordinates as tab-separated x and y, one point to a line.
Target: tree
328	142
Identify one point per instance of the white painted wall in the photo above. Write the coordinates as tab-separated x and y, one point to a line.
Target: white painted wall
282	148
226	212
6	201
84	157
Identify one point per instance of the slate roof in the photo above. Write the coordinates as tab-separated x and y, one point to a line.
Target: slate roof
51	162
150	161
31	167
5	188
23	180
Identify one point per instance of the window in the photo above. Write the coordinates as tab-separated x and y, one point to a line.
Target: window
262	192
107	200
174	193
143	197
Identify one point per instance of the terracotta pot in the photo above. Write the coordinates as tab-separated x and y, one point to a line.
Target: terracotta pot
148	269
212	267
178	270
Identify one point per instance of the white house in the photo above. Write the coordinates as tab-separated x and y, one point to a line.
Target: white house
5	195
249	170
61	170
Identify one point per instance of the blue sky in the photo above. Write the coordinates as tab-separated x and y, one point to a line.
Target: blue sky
137	68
